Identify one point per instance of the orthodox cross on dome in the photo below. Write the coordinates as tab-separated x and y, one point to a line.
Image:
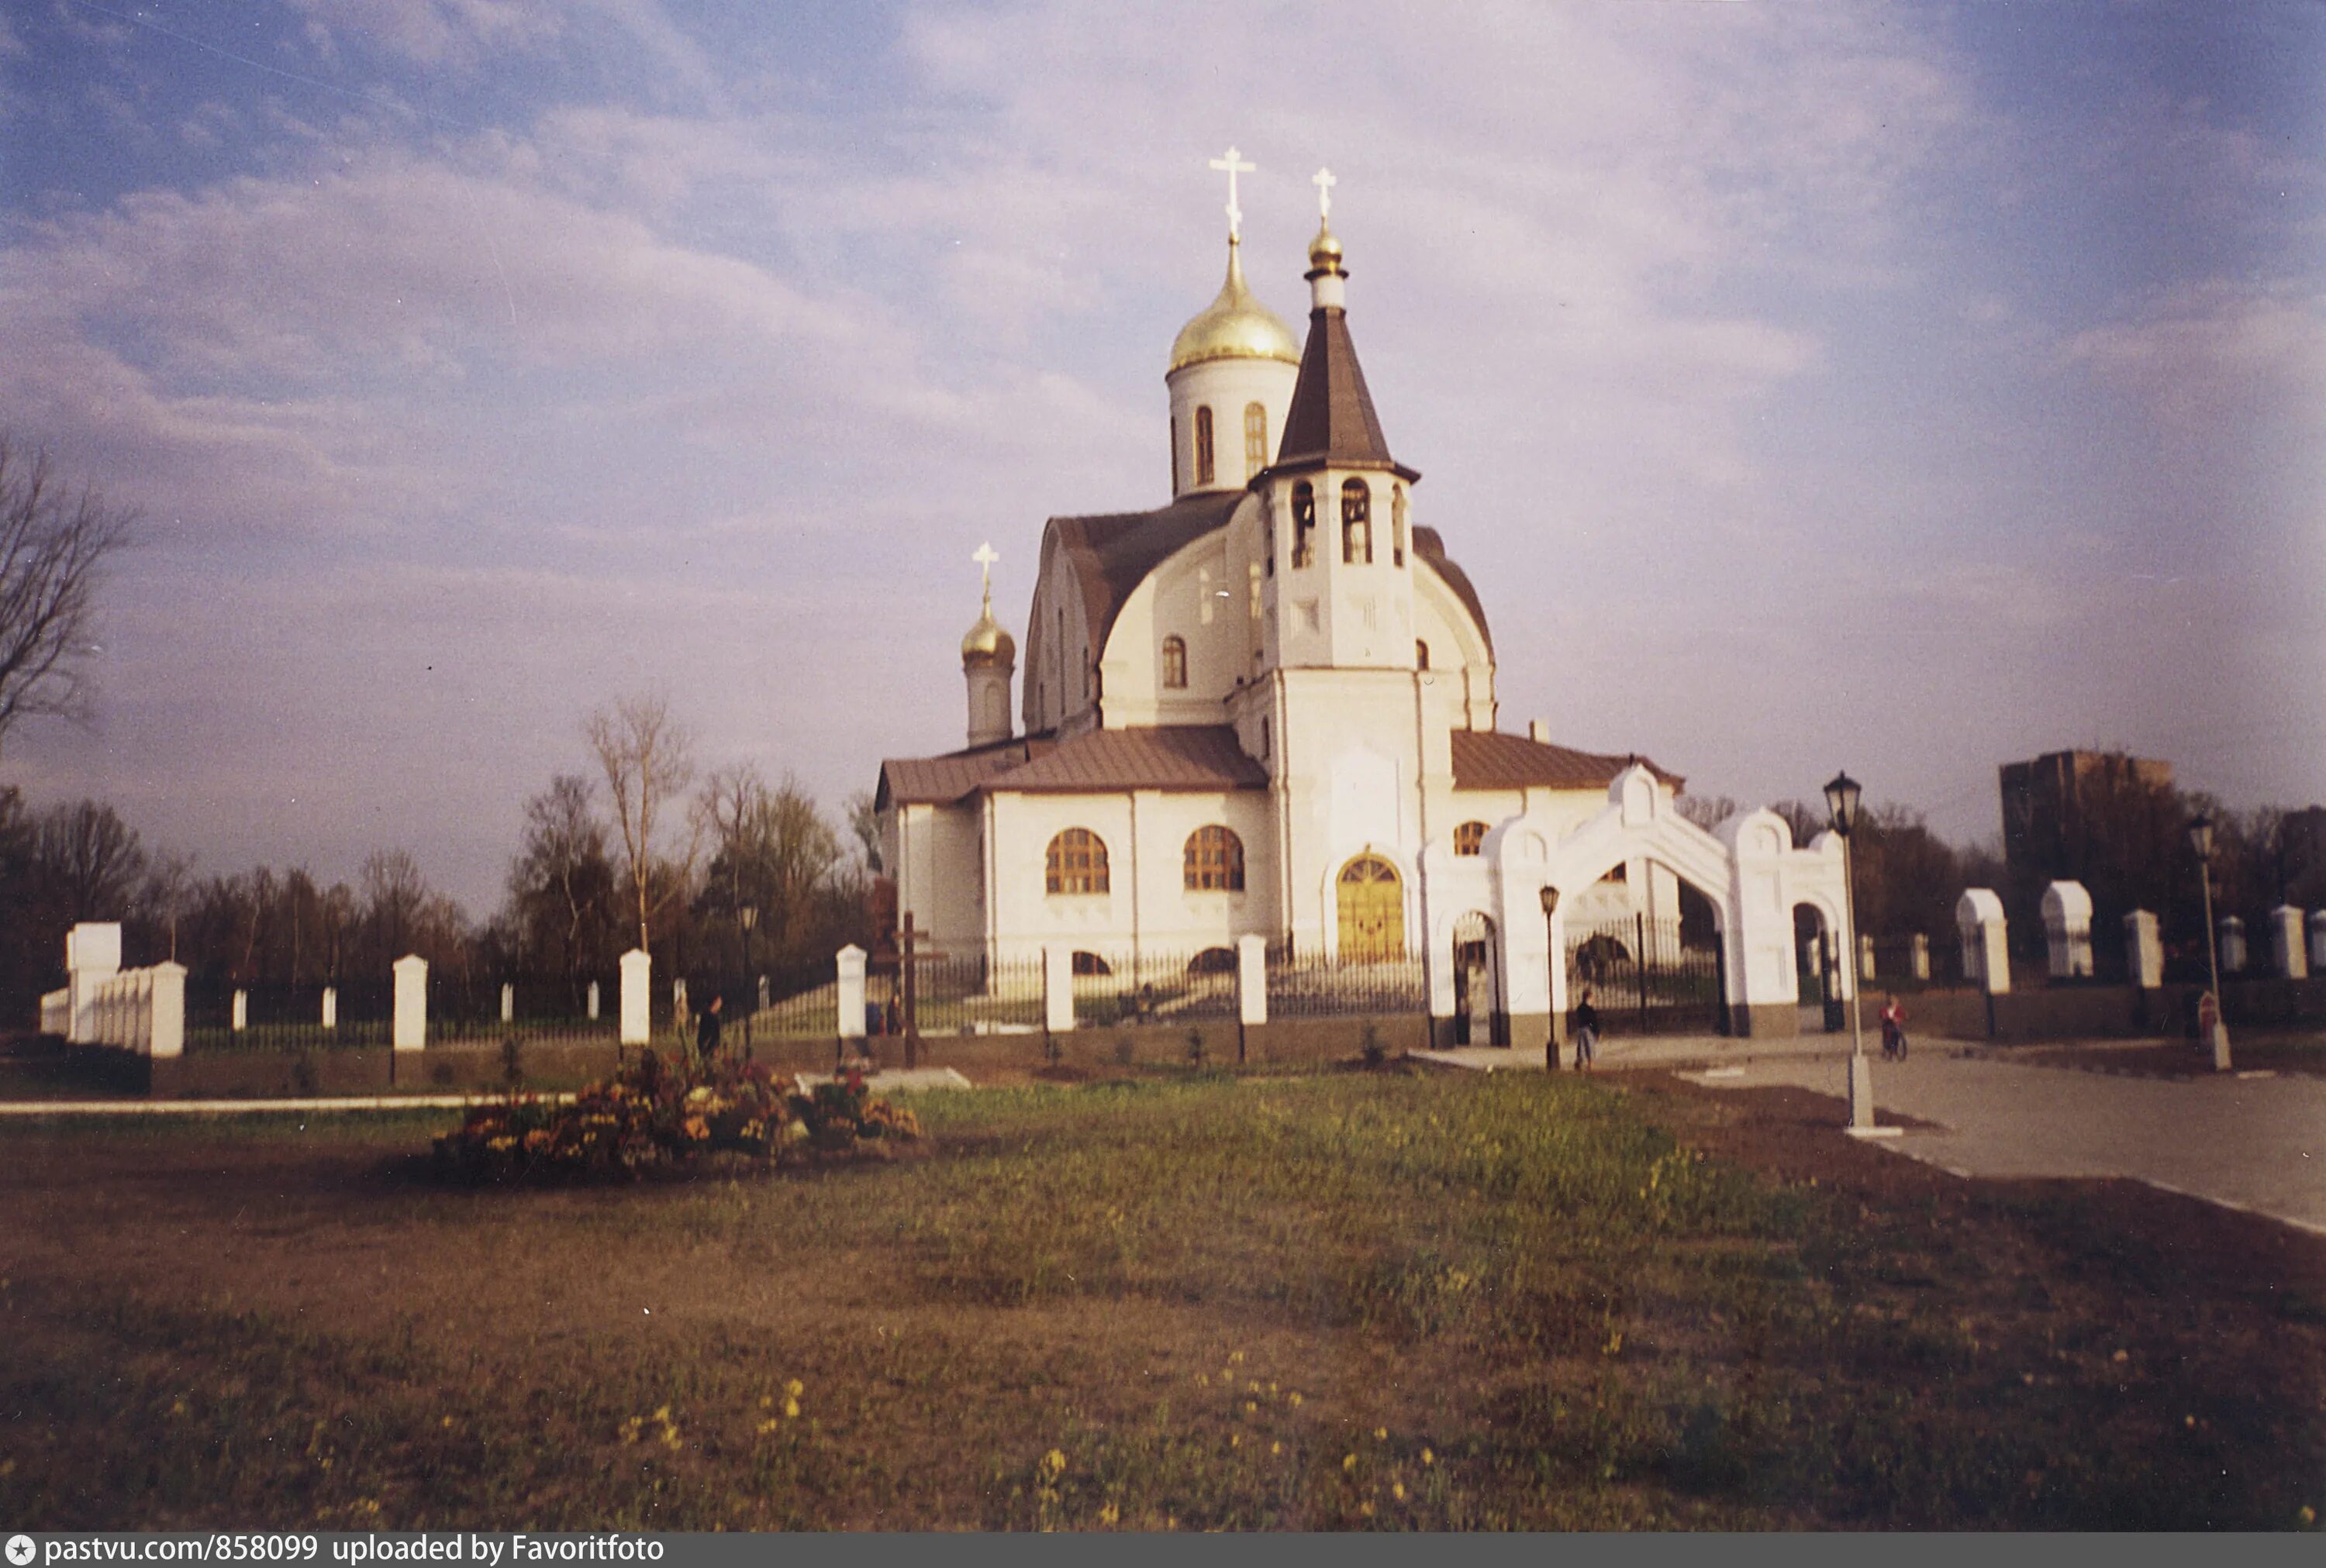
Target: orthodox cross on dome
985	558
1324	181
1232	165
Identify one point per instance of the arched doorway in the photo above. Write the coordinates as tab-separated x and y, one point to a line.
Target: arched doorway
1817	964
1480	1018
1371	908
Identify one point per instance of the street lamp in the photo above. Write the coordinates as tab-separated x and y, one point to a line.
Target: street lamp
2201	840
749	915
1841	798
1550	980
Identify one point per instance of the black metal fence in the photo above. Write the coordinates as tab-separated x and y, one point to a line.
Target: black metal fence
1899	965
1166	988
1310	985
286	1018
969	994
1643	977
467	1010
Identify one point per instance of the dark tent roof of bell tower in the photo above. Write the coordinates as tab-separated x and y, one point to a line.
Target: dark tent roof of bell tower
1332	419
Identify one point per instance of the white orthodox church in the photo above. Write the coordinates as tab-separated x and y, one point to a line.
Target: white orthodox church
1267	707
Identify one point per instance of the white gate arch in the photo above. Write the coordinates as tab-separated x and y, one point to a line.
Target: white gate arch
1748	867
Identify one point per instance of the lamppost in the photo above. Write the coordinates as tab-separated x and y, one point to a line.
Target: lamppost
2201	838
1841	798
749	915
1550	980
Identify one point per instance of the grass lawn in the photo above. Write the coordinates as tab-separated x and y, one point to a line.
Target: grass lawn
1339	1301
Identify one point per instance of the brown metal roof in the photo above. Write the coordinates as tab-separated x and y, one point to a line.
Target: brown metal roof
1183	757
1332	418
1427	545
1487	759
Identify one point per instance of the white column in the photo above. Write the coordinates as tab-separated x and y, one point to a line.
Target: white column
169	1034
410	1032
2285	942
330	1006
2144	950
594	1001
92	956
1987	955
1059	989
638	978
2068	930
241	1020
1251	978
509	1002
849	966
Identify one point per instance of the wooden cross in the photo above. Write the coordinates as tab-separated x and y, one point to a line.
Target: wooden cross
1232	165
1324	181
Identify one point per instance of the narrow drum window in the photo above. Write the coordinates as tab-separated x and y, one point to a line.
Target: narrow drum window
1397	525
1268	535
1421	655
1470	839
1175	663
1356	525
1304	523
1204	464
1255	437
1215	862
1077	863
1175	454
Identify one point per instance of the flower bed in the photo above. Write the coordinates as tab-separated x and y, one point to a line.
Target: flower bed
657	1116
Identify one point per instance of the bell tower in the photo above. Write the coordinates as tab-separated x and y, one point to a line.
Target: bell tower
989	658
1338	584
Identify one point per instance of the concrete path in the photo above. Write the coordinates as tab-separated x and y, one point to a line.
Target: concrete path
38	1108
2256	1144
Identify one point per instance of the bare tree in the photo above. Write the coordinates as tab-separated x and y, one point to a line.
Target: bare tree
648	758
53	542
562	882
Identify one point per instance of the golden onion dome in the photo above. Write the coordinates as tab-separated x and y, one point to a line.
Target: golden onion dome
1324	250
1234	326
987	643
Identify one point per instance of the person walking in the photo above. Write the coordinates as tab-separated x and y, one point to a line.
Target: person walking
1586	1032
707	1027
1893	1029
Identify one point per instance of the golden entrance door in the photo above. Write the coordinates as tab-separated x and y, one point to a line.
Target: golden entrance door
1372	910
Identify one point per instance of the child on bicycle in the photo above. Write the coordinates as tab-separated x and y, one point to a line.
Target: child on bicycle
1893	1029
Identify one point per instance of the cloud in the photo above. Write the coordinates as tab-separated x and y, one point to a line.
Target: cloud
431	33
2205	354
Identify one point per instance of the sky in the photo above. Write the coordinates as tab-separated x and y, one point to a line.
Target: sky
1908	389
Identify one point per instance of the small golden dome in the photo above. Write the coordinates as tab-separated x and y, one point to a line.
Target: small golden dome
989	643
1324	250
1234	326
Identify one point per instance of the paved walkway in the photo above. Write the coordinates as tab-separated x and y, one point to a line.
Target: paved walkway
2253	1142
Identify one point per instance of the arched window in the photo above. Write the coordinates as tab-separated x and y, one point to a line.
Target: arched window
1255	437
1356	523
1397	525
1215	862
1421	655
1304	523
1469	839
1175	663
1205	467
1090	963
1077	863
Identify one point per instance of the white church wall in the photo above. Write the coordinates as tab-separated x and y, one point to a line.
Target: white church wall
1457	650
1026	916
1059	678
1347	768
1176	919
937	857
1200	595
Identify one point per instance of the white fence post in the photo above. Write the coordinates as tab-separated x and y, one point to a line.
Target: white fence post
168	1037
2068	930
678	1011
594	1001
2144	950
848	969
92	956
330	1006
1251	978
509	1002
2233	945
411	1029
637	979
241	1011
1986	954
1921	956
1058	989
2285	942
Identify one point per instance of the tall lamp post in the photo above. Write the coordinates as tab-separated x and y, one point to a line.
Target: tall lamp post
749	915
1550	980
1841	798
2201	838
